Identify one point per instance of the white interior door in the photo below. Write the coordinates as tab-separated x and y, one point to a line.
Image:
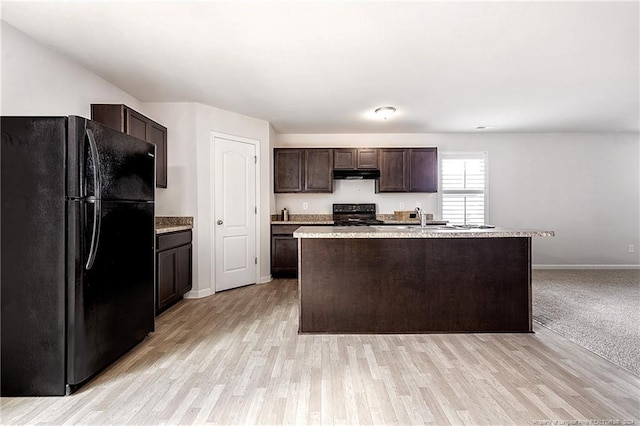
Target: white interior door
235	213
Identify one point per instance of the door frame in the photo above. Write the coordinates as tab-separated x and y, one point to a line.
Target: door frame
212	163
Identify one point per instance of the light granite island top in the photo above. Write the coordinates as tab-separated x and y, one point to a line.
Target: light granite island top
408	279
415	231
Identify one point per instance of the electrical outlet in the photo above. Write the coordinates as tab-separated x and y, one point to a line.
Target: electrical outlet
419	204
401	206
305	206
632	248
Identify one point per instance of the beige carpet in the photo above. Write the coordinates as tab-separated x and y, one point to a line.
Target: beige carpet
598	309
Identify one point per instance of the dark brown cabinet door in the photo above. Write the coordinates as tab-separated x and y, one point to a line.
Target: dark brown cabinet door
394	176
355	158
367	158
288	170
131	122
184	280
344	159
136	124
318	170
167	268
158	135
174	264
423	170
112	115
284	251
284	255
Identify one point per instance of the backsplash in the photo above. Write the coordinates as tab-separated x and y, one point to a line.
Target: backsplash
356	191
304	217
174	221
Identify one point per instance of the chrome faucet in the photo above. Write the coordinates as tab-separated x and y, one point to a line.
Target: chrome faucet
423	217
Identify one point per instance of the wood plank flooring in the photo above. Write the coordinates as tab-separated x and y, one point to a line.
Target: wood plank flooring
236	358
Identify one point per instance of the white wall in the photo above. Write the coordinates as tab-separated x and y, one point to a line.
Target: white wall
180	196
585	187
37	81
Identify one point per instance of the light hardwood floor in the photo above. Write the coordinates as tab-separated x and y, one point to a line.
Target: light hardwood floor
236	358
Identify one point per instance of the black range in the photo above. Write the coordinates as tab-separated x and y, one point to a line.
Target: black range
355	215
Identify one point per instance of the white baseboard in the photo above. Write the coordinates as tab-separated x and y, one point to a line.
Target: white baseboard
585	266
198	294
265	279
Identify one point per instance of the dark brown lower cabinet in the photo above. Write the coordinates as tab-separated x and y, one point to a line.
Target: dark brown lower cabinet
284	251
173	263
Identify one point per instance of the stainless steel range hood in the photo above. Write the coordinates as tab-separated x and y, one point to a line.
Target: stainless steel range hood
356	174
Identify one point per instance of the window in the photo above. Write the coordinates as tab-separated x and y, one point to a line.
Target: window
463	187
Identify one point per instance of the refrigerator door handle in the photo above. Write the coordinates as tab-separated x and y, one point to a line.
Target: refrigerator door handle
95	200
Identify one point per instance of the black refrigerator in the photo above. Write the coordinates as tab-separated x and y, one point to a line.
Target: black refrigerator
77	259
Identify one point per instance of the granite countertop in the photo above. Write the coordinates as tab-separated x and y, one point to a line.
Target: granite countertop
301	222
413	232
166	224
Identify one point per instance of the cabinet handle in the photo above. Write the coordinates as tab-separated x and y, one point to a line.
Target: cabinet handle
220	222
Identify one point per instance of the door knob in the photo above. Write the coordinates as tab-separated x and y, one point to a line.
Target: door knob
220	222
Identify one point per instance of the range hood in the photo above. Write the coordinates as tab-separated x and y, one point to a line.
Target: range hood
356	174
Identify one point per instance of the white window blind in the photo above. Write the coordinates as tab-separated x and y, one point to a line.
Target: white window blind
463	178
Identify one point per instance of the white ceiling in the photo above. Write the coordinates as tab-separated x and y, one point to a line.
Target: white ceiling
322	67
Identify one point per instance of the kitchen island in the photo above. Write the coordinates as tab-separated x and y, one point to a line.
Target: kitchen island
408	279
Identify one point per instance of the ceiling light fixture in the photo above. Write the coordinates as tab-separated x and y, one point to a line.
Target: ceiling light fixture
385	111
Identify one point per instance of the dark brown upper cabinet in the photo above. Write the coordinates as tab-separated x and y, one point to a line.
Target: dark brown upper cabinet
318	170
394	173
355	158
131	122
302	170
423	170
408	170
288	169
